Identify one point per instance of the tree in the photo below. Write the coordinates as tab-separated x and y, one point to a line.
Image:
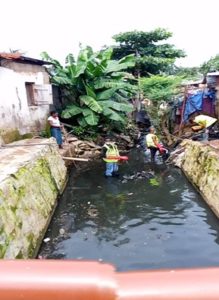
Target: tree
186	72
97	88
160	88
152	56
211	65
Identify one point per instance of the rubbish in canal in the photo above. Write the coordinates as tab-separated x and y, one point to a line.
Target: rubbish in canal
121	242
92	212
62	231
85	237
154	182
164	219
138	175
46	240
174	191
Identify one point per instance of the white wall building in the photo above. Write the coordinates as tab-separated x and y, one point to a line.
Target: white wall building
25	96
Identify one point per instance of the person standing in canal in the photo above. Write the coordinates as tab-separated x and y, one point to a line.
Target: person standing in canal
152	143
111	157
55	128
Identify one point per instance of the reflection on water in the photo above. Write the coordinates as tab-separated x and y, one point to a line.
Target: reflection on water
142	222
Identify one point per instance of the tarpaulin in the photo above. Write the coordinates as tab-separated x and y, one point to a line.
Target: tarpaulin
198	102
193	103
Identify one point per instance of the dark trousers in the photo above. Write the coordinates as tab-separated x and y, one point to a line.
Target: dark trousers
57	134
153	151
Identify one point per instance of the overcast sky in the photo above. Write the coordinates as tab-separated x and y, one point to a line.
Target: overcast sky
58	26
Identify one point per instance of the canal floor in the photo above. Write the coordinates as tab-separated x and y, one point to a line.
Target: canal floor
152	222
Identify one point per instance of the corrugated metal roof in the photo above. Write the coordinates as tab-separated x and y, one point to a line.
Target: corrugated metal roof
190	82
18	57
5	55
213	73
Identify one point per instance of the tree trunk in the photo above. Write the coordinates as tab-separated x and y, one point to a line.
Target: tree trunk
166	132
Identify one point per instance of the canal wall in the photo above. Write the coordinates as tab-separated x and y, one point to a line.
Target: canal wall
32	175
200	163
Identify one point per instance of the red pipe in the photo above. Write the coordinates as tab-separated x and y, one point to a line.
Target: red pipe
70	280
198	284
55	280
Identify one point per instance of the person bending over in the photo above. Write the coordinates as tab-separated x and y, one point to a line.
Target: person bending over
111	157
152	143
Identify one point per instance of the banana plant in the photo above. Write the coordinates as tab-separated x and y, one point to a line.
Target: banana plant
100	87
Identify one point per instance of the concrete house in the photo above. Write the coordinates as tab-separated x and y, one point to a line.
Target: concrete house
25	96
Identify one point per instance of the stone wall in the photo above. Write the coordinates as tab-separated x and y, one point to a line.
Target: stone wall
31	178
200	163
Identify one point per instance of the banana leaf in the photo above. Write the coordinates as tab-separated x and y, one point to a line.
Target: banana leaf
90	117
91	103
117	106
110	113
71	111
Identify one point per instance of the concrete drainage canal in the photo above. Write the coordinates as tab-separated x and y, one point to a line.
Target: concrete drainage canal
149	218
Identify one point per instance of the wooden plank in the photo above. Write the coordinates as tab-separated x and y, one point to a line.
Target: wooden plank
75	158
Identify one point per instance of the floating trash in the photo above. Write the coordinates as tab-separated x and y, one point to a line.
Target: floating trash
46	240
62	231
138	175
154	182
92	212
121	242
174	191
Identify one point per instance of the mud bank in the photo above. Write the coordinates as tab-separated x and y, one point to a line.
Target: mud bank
31	178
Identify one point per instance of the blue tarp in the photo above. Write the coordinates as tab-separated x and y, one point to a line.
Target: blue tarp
194	102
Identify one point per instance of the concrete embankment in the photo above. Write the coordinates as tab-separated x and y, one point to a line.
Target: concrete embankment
200	163
31	178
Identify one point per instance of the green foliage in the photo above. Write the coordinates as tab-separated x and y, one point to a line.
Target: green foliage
78	130
187	73
160	88
91	103
90	117
71	111
210	66
152	57
97	87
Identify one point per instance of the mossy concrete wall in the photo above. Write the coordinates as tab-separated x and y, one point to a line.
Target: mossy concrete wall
31	178
200	163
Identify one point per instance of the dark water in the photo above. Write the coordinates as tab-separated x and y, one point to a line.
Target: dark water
145	223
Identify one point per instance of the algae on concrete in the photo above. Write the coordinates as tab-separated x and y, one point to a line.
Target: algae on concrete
201	165
28	198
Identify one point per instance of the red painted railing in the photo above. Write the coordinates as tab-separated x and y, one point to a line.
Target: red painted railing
70	280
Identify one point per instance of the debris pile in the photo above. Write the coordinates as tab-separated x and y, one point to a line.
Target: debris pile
74	147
